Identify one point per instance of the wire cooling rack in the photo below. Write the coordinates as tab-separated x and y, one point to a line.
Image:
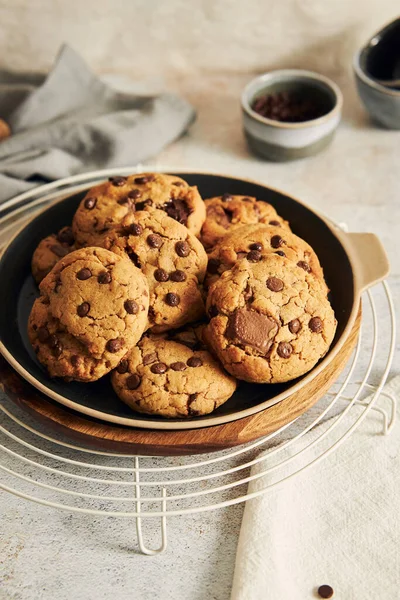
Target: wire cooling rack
53	472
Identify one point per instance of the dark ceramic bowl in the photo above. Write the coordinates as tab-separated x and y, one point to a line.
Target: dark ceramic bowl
377	61
352	262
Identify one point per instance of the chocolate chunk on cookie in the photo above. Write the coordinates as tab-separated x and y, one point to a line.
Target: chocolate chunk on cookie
271	321
176	382
50	250
173	261
105	205
226	213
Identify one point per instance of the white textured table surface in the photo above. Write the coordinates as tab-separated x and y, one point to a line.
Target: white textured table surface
50	555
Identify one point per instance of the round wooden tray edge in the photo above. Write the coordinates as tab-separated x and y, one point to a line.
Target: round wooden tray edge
124	440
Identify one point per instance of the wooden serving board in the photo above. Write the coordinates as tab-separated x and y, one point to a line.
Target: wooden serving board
126	440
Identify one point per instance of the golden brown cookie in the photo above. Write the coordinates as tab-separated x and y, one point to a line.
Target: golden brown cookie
165	378
105	205
61	353
254	242
50	250
226	213
270	321
173	261
100	299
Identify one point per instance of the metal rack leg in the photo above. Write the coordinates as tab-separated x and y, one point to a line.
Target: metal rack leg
142	546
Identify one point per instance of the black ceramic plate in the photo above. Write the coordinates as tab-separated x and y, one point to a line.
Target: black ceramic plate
18	291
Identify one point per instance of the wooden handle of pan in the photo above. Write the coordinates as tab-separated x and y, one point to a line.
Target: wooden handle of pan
369	259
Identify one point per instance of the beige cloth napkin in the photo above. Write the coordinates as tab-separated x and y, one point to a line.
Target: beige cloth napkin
337	523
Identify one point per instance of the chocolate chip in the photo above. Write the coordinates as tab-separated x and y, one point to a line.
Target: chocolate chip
83	309
53	341
248	294
325	591
142	205
161	275
56	287
177	209
123	367
284	349
84	274
316	325
55	345
90	203
190	401
144	179
131	307
294	326
249	328
57	350
178	366
65	236
280	252
59	251
304	265
117	181
134	229
104	277
213	265
226	197
254	256
182	249
74	360
134	194
135	259
178	276
213	311
123	201
275	223
133	382
274	284
149	358
43	334
154	240
159	368
34	327
194	361
172	299
277	241
256	246
114	345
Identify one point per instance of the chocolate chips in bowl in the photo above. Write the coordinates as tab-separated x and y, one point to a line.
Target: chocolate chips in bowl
290	114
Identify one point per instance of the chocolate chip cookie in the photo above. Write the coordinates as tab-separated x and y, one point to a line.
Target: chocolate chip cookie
105	205
173	261
100	299
270	321
50	250
61	353
254	242
226	213
166	378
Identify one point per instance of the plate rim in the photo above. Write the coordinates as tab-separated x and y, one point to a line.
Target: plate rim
208	420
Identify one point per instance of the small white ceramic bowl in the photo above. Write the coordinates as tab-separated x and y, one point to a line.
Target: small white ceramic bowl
280	140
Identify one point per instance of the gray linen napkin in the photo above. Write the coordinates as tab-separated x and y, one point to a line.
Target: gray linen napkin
71	122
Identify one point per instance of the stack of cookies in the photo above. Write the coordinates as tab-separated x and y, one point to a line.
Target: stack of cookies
177	297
